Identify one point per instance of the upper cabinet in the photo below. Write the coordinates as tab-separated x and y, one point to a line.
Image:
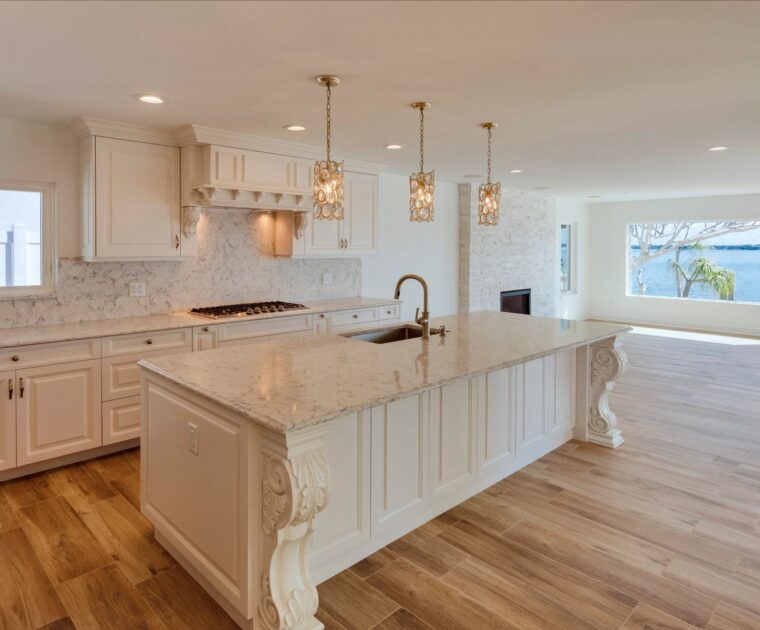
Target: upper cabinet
299	235
130	200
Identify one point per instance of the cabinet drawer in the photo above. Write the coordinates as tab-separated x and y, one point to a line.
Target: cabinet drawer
204	338
121	374
121	420
388	312
258	328
49	353
348	318
281	337
149	341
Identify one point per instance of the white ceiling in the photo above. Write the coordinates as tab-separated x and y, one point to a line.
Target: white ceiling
593	98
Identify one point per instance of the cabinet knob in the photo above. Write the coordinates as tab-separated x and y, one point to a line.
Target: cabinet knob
205	329
15	358
322	315
389	312
356	316
149	342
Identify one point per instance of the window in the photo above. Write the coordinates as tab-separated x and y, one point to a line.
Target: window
567	281
27	238
705	260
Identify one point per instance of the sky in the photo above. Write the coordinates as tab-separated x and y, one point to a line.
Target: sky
750	237
19	207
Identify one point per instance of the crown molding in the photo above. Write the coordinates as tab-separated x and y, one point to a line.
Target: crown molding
84	127
197	134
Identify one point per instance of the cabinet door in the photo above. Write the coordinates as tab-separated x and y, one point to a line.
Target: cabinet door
399	461
496	405
58	410
361	213
204	338
7	420
321	324
136	199
324	237
121	420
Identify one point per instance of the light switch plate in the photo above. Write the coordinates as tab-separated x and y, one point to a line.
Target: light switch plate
326	278
136	289
193	437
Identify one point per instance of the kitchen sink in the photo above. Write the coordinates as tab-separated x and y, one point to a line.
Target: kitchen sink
389	335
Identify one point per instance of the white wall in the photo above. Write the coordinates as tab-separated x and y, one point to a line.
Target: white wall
608	260
45	153
574	304
428	249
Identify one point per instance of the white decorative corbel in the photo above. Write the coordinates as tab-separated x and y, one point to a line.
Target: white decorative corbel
190	217
300	221
299	199
256	195
608	363
277	198
234	193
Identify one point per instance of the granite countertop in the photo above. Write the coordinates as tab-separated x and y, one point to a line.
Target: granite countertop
291	384
48	333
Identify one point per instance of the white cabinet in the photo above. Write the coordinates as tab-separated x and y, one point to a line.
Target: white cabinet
121	419
130	200
355	235
496	397
7	420
57	410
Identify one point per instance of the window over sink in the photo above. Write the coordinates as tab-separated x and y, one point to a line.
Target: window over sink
27	238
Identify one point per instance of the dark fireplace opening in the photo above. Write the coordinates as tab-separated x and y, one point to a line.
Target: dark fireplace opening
516	302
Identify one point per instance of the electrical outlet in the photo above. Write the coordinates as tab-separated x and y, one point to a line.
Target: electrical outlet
136	289
326	278
193	437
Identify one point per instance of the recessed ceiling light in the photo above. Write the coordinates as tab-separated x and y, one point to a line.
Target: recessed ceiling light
149	98
516	170
471	176
393	147
295	128
717	148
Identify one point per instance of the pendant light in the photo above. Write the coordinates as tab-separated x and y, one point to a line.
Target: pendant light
489	194
328	174
422	184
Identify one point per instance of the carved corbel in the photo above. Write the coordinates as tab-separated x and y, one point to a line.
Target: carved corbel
277	198
608	363
294	490
190	217
300	222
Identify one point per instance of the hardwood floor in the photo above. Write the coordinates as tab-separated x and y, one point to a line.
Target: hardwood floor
662	533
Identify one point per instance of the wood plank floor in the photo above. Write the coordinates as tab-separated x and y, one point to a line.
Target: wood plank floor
662	533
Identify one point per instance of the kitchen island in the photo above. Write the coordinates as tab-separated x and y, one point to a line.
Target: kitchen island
267	469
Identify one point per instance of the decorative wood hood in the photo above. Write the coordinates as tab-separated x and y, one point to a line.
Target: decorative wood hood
228	169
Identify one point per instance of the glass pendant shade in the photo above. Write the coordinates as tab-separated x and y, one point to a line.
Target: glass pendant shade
421	189
422	184
328	174
489	194
328	190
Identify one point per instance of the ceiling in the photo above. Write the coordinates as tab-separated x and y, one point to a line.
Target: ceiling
618	100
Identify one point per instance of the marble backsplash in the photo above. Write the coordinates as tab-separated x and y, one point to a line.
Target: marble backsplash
235	263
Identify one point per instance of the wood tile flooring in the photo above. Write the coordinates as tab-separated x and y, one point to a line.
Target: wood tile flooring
662	533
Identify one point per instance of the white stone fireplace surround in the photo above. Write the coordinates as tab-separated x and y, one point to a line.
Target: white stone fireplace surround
517	253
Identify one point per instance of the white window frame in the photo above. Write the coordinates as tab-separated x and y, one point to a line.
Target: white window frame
570	257
48	238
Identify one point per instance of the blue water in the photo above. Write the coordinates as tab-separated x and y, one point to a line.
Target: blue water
745	263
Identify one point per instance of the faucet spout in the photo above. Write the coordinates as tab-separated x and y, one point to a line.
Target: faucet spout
424	319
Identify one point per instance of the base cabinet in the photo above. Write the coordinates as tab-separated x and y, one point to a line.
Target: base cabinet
121	420
58	410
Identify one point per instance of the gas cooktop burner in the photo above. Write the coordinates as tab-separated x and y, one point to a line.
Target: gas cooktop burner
245	310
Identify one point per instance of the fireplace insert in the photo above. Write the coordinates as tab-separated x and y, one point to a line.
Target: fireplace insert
516	302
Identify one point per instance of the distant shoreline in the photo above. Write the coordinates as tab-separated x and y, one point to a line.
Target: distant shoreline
737	247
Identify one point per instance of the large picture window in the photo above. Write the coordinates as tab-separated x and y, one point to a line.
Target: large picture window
708	260
27	238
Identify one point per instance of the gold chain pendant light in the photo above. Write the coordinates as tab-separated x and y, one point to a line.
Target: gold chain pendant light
328	174
489	194
422	184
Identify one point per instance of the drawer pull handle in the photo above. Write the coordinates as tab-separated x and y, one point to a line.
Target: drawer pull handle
176	241
10	389
149	342
15	357
21	387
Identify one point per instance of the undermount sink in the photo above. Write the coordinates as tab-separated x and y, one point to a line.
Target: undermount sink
389	335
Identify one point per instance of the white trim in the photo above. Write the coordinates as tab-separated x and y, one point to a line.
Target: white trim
86	127
48	238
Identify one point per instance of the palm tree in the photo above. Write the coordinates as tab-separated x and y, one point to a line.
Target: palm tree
701	270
